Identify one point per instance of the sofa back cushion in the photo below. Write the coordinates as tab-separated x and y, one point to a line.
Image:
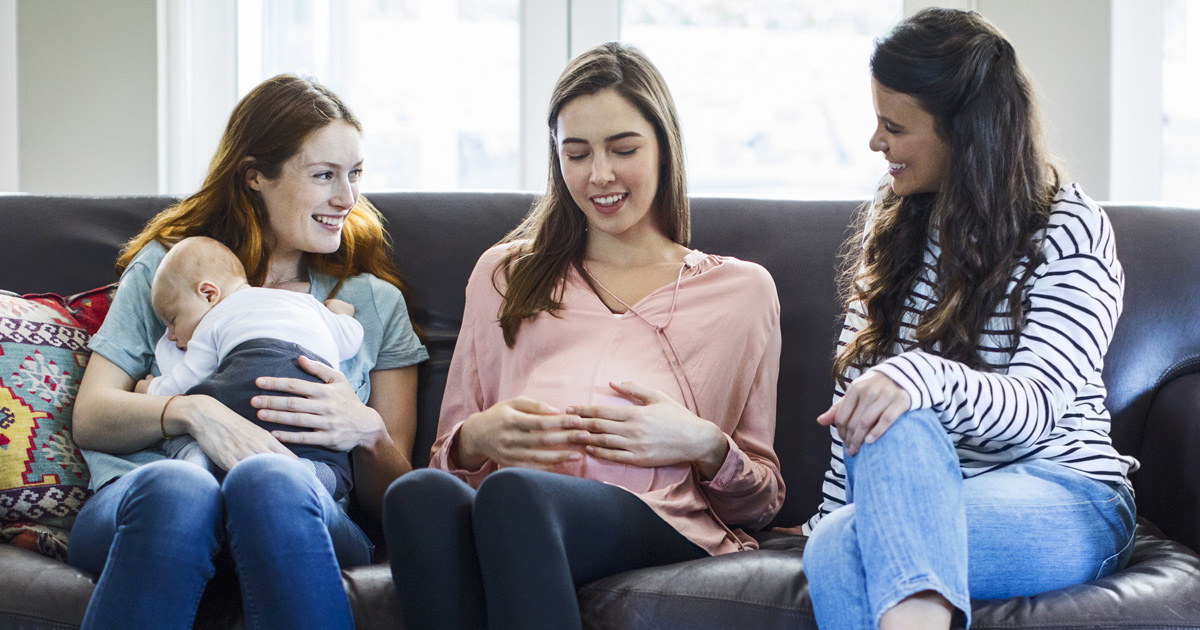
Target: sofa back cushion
439	236
43	478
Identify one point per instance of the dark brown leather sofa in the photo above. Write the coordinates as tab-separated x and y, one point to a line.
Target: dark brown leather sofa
68	244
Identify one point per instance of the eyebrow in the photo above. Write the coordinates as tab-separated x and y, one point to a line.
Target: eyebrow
612	138
330	164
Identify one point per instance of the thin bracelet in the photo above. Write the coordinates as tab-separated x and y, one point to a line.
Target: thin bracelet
162	418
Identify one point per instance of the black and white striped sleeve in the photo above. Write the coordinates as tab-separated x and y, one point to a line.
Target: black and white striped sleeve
1074	302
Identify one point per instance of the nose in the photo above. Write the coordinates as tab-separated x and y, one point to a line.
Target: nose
171	334
877	143
345	194
601	170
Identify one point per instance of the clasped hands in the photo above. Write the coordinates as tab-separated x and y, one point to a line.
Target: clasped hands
655	431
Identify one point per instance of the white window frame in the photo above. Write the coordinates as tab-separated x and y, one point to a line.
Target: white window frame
198	84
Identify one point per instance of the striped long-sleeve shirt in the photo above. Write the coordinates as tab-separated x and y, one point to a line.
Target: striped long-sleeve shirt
1045	398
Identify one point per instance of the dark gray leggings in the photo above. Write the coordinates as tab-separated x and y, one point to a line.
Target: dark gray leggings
525	539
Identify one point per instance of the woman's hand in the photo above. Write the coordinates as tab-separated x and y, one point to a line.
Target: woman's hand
338	420
143	385
226	437
518	432
656	431
871	404
339	307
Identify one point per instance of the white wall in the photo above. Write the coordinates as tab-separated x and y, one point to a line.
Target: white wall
87	93
9	158
1066	48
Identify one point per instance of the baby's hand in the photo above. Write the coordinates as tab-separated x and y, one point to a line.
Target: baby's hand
339	307
143	385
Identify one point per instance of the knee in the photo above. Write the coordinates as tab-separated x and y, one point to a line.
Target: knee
173	495
268	478
832	545
422	490
916	431
512	494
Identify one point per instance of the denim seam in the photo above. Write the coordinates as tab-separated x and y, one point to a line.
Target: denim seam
1043	505
249	607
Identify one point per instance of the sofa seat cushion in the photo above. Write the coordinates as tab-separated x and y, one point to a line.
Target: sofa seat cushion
766	589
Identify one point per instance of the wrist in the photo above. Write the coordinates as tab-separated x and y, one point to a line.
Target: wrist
463	455
377	439
713	458
177	415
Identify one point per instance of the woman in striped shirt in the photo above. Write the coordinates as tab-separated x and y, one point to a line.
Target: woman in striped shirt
971	455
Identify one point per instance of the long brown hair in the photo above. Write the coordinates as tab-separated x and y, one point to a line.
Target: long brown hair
553	235
267	128
988	212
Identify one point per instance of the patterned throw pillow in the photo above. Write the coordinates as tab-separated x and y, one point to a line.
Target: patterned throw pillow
43	478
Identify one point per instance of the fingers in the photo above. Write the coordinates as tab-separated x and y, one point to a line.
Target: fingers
529	405
871	405
830	415
886	420
320	370
300	386
619	456
639	394
622	413
602	440
295	386
598	425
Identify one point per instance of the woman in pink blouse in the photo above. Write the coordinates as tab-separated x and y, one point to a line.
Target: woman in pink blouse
611	401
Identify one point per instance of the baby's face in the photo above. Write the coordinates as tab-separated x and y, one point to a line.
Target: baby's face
183	315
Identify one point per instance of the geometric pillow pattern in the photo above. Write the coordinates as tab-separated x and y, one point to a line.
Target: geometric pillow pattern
43	478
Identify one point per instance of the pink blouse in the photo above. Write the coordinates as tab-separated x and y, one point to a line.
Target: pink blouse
710	341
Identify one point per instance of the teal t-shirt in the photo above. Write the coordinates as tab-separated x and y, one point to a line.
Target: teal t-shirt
131	330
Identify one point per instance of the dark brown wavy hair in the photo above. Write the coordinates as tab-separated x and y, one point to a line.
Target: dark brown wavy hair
553	235
989	211
267	128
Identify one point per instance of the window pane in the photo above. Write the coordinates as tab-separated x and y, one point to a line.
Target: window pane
1181	93
774	95
435	82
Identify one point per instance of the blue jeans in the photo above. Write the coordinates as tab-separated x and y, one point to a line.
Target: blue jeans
512	554
913	524
152	536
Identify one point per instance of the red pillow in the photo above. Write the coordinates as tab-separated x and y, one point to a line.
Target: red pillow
88	308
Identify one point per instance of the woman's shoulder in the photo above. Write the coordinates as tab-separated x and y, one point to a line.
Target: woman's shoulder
484	273
366	288
494	255
149	256
737	276
1077	223
730	266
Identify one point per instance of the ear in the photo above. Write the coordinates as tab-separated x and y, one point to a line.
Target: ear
254	177
209	291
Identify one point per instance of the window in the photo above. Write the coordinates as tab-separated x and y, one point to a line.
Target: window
1181	93
774	96
437	85
434	82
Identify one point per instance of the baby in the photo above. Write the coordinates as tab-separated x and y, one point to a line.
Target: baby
231	333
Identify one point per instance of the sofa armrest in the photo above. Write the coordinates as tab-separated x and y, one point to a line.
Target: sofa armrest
1168	484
